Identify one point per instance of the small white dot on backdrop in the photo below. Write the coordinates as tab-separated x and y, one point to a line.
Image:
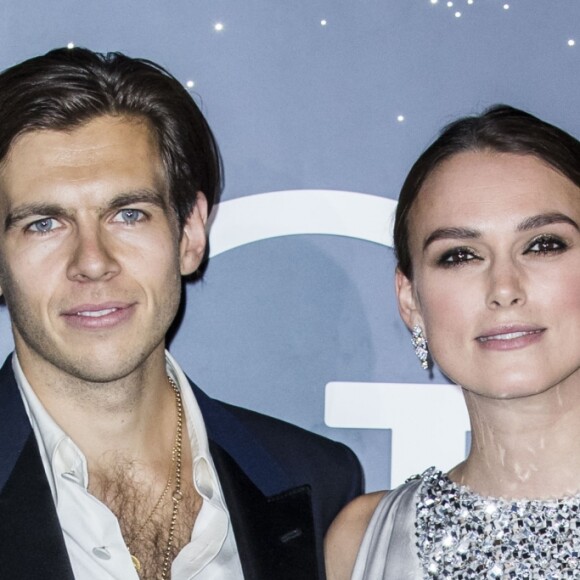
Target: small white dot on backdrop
470	1
190	84
70	45
218	26
571	42
449	4
323	23
434	1
400	118
458	14
506	6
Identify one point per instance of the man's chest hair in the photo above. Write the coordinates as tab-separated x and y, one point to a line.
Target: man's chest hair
145	520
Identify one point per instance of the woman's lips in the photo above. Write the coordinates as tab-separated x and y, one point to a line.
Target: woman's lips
509	338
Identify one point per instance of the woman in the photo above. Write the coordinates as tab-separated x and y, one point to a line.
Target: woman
488	280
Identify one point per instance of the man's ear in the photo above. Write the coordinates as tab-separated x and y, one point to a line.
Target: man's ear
193	237
408	307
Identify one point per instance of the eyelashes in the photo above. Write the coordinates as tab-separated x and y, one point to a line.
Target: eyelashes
126	216
546	244
130	216
542	245
457	257
42	226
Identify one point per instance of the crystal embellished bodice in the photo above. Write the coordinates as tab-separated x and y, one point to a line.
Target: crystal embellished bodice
463	535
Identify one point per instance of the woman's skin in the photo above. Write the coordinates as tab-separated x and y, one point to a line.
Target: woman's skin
495	248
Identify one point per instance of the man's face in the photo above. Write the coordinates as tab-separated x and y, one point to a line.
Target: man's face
90	253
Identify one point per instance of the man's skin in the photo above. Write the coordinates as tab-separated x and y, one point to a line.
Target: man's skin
91	259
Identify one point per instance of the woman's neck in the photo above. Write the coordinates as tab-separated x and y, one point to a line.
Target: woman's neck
524	448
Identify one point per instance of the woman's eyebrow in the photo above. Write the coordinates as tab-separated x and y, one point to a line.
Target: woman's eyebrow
530	223
451	234
545	219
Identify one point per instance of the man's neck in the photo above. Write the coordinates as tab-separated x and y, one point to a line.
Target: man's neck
121	417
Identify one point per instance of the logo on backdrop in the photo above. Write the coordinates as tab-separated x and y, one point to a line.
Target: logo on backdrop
433	415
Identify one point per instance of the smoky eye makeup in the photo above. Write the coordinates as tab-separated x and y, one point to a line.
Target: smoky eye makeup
546	244
457	256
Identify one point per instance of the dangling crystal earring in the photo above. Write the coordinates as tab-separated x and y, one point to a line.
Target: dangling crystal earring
420	344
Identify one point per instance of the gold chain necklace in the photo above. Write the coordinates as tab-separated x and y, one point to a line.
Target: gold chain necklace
177	496
160	501
177	493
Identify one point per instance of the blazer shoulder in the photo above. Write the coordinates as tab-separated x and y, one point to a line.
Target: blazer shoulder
277	455
332	470
282	436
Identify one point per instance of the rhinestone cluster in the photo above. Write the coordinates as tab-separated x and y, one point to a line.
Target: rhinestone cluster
420	344
462	535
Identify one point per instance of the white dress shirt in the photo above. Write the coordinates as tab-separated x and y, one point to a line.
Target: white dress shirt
91	531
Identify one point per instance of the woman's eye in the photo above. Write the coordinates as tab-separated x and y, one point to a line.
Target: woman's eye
457	257
42	226
129	216
546	245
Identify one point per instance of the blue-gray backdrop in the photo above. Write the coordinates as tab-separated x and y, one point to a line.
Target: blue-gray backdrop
317	94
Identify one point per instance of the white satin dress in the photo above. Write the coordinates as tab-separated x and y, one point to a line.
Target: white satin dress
386	555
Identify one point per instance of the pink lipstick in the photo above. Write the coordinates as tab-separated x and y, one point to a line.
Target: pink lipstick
510	337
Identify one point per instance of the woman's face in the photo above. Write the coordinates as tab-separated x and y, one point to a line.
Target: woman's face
495	247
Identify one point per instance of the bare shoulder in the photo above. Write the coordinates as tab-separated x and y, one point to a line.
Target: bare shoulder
345	535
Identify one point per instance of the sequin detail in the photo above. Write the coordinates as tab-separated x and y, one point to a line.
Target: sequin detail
463	535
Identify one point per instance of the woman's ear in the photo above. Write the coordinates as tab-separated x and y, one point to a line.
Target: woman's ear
193	237
408	307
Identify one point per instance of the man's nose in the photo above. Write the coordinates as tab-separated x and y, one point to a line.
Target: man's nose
93	257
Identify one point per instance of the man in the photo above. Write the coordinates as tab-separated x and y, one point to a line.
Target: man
111	464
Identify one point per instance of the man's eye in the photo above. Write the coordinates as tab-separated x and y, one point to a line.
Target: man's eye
129	216
457	257
546	244
42	226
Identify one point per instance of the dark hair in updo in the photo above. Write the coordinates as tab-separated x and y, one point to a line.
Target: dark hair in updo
500	128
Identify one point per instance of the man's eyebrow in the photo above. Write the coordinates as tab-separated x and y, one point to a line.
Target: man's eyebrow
452	234
120	201
546	219
27	210
140	196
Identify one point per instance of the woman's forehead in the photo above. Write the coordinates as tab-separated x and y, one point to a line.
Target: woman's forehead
489	187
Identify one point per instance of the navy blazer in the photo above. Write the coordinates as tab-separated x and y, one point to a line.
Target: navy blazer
283	486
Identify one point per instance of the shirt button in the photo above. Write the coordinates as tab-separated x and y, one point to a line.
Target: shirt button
70	476
102	553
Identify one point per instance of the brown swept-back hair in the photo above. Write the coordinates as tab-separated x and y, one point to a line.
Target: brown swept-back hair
66	88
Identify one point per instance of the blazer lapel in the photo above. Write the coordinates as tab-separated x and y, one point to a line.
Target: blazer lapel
232	435
32	545
275	535
15	427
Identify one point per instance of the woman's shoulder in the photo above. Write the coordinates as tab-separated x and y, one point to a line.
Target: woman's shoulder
346	533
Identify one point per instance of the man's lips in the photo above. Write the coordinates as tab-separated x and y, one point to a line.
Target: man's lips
98	315
95	309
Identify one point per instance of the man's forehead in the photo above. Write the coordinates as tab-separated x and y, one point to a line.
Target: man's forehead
104	147
102	137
